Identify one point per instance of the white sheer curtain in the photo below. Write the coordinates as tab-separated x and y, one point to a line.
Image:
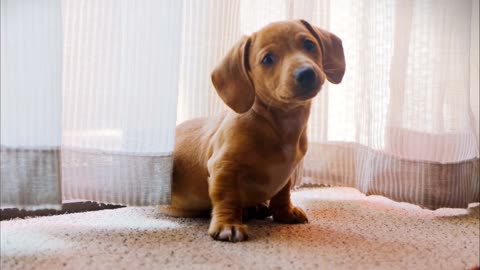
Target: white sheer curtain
89	95
404	121
31	103
88	92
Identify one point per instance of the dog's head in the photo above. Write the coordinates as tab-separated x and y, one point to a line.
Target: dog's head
284	65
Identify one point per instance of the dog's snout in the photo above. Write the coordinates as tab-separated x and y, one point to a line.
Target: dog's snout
306	78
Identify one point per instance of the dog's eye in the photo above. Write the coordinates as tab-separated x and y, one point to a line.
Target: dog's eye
309	45
268	59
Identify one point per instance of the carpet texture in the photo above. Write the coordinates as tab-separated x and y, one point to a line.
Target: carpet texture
347	230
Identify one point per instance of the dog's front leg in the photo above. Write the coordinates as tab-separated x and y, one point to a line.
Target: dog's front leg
226	223
282	208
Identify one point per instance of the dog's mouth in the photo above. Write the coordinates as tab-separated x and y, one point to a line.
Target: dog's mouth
302	94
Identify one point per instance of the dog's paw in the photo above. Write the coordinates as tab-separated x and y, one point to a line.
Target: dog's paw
228	232
290	215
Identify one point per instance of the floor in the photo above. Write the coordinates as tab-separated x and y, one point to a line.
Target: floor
347	230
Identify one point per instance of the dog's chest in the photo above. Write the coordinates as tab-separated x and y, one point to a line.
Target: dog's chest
275	173
282	163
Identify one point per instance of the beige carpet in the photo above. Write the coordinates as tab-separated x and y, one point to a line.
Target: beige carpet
346	231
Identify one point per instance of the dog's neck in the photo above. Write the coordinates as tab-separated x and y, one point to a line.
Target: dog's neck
290	125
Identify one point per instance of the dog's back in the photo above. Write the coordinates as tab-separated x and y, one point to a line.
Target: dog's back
190	175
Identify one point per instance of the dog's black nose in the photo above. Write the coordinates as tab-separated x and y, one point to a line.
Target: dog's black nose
306	78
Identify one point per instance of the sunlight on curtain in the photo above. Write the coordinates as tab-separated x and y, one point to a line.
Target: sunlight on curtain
206	37
404	105
119	94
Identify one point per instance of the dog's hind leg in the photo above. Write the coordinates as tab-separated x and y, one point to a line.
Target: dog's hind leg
259	211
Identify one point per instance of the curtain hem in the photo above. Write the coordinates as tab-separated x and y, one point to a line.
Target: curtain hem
33	179
30	178
373	172
112	178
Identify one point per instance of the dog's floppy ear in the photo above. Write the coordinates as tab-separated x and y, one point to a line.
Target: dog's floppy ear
231	79
332	52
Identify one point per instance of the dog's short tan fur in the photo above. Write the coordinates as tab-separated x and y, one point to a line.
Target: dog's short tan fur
245	157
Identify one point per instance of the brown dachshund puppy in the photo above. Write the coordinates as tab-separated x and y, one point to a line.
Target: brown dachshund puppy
245	157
